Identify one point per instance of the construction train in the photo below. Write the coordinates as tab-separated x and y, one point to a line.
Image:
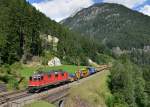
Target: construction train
44	80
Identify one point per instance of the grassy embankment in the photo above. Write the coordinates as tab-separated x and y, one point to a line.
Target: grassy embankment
39	104
91	93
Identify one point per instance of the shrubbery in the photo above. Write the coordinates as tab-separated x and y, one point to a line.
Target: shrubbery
10	74
128	85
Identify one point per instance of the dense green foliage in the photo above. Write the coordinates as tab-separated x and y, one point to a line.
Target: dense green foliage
19	30
128	85
21	26
113	25
146	75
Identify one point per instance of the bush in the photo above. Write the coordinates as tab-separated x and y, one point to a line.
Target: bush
5	69
10	74
110	101
127	84
15	69
13	84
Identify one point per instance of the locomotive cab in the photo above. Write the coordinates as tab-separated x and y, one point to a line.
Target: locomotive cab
35	80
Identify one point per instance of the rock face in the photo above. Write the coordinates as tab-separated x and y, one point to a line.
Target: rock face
49	41
117	50
54	62
52	39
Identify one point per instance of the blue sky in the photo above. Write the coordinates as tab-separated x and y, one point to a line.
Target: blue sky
35	1
61	9
38	1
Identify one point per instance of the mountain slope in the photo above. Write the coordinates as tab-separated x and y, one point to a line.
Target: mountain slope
113	25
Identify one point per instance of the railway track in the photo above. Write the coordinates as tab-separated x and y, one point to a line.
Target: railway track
53	97
55	92
2	87
12	96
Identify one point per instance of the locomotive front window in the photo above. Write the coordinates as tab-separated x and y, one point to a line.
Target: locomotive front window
38	78
35	78
30	78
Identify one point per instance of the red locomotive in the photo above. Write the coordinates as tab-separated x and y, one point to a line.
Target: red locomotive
43	80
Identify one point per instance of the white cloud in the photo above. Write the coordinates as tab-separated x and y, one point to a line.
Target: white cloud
145	10
128	3
60	9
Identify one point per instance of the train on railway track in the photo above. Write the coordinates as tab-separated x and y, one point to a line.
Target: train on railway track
43	80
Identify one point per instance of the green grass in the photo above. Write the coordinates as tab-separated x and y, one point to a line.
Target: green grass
28	71
39	104
91	93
